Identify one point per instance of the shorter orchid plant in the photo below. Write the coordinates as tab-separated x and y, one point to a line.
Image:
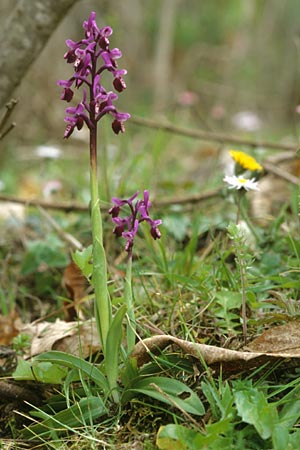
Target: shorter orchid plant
127	227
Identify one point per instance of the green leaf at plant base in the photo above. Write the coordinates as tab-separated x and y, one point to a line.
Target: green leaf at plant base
254	409
86	410
113	343
280	438
74	362
175	390
44	372
129	372
83	260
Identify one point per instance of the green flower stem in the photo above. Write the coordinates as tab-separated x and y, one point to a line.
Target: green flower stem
243	207
244	297
131	325
102	302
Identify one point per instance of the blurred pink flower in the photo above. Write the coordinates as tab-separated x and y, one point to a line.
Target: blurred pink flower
187	98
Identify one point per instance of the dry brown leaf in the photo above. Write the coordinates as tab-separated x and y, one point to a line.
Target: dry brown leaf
212	355
81	339
75	284
78	338
283	338
9	327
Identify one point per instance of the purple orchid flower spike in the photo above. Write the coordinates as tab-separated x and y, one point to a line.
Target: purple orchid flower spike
90	57
127	226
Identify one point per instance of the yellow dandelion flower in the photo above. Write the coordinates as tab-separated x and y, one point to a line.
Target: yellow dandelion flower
245	161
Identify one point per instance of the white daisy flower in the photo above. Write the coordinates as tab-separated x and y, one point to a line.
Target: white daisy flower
240	182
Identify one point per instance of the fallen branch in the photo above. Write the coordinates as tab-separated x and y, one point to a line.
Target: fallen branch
65	236
70	207
271	168
64	206
210	136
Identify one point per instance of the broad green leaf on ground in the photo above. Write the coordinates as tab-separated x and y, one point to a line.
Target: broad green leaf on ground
43	253
177	225
228	299
44	372
73	362
170	391
254	409
178	437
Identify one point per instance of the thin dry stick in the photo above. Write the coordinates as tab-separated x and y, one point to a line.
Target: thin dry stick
272	168
8	129
66	236
9	109
3	121
210	136
62	309
64	206
170	400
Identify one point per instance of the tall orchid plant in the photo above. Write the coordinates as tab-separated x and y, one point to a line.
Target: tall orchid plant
91	57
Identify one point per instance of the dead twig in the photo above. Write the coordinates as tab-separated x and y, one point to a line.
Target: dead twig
210	136
4	119
271	168
174	403
78	207
63	206
65	236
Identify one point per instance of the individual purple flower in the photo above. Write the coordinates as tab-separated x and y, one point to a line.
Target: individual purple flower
76	117
90	57
127	226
